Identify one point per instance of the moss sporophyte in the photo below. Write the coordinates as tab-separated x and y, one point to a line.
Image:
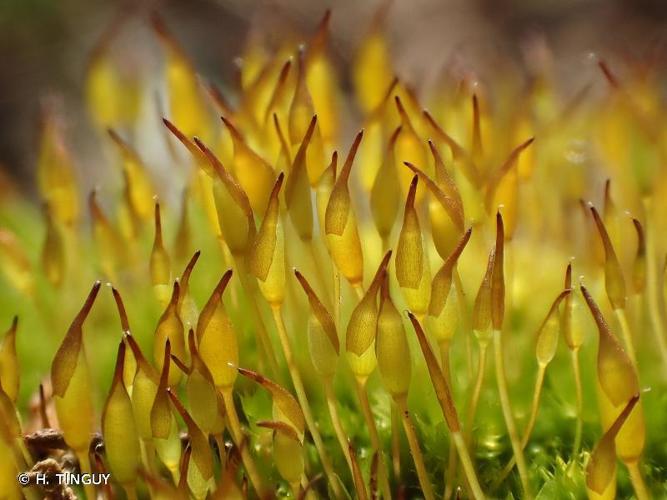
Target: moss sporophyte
355	273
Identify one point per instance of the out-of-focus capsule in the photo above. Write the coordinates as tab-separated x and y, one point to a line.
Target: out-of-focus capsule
187	308
547	335
14	263
498	278
9	364
110	250
409	147
297	189
613	275
160	264
481	312
386	191
53	252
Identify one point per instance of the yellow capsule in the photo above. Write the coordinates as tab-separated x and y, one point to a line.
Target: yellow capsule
601	468
323	341
413	270
218	344
8	468
300	122
10	417
443	309
163	426
9	364
498	278
391	344
547	335
113	98
481	312
372	70
144	389
200	467
410	148
254	174
639	265
139	186
340	224
121	442
267	256
362	326
14	263
160	264
71	381
170	327
53	252
205	402
187	308
186	105
322	82
618	383
55	172
286	409
386	192
569	317
130	365
109	245
237	222
287	452
277	111
297	189
613	275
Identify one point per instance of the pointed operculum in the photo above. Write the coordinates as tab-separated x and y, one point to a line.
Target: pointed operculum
9	365
237	222
613	275
547	336
285	407
160	264
218	343
385	192
601	468
170	327
254	174
412	265
340	224
392	349
481	313
68	356
442	389
297	189
639	265
267	257
498	278
187	308
361	329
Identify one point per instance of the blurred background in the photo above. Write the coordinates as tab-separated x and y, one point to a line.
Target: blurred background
45	46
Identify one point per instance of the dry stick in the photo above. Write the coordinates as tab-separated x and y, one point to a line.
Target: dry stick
237	436
652	290
303	400
444	395
373	432
507	412
415	450
335	420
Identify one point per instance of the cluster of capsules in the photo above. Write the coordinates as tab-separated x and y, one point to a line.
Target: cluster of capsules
356	289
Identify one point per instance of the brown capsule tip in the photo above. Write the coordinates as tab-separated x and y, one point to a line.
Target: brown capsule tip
185	277
232	129
568	276
608	74
120	362
180	364
349	160
88	304
412	191
124	323
372	289
279	427
175	294
641	239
